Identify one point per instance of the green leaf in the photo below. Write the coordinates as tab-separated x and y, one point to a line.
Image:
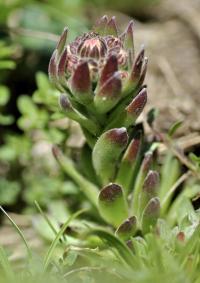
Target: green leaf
151	116
112	204
174	128
107	151
114	242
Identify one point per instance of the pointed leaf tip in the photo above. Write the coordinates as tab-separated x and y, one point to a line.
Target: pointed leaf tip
52	69
153	207
143	73
137	67
133	150
149	189
81	78
64	102
137	105
101	25
146	163
109	88
110	68
111	28
150	214
128	41
62	41
81	84
151	182
62	65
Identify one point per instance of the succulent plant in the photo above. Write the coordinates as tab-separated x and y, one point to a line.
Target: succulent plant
101	85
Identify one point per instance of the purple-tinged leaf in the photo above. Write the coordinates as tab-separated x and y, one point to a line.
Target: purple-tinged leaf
62	41
137	67
52	70
111	27
149	189
129	43
101	25
135	108
81	84
127	229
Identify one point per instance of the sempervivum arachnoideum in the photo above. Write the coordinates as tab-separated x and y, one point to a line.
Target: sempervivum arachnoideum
100	77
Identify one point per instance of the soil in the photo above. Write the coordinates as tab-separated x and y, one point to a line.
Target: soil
172	42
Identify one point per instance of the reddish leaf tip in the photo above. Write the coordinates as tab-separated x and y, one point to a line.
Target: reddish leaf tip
64	102
133	150
81	79
137	105
147	162
62	63
110	193
151	182
153	207
52	69
62	41
118	136
127	225
109	69
112	27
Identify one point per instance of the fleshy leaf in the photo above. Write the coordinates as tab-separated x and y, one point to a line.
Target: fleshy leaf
129	164
101	25
81	84
144	168
109	88
129	43
127	229
112	204
135	108
150	215
111	27
106	153
149	189
62	41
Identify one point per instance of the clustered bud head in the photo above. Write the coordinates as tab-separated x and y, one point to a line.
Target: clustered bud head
98	70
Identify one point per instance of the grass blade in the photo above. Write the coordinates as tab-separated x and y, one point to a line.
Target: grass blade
18	231
58	236
45	217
